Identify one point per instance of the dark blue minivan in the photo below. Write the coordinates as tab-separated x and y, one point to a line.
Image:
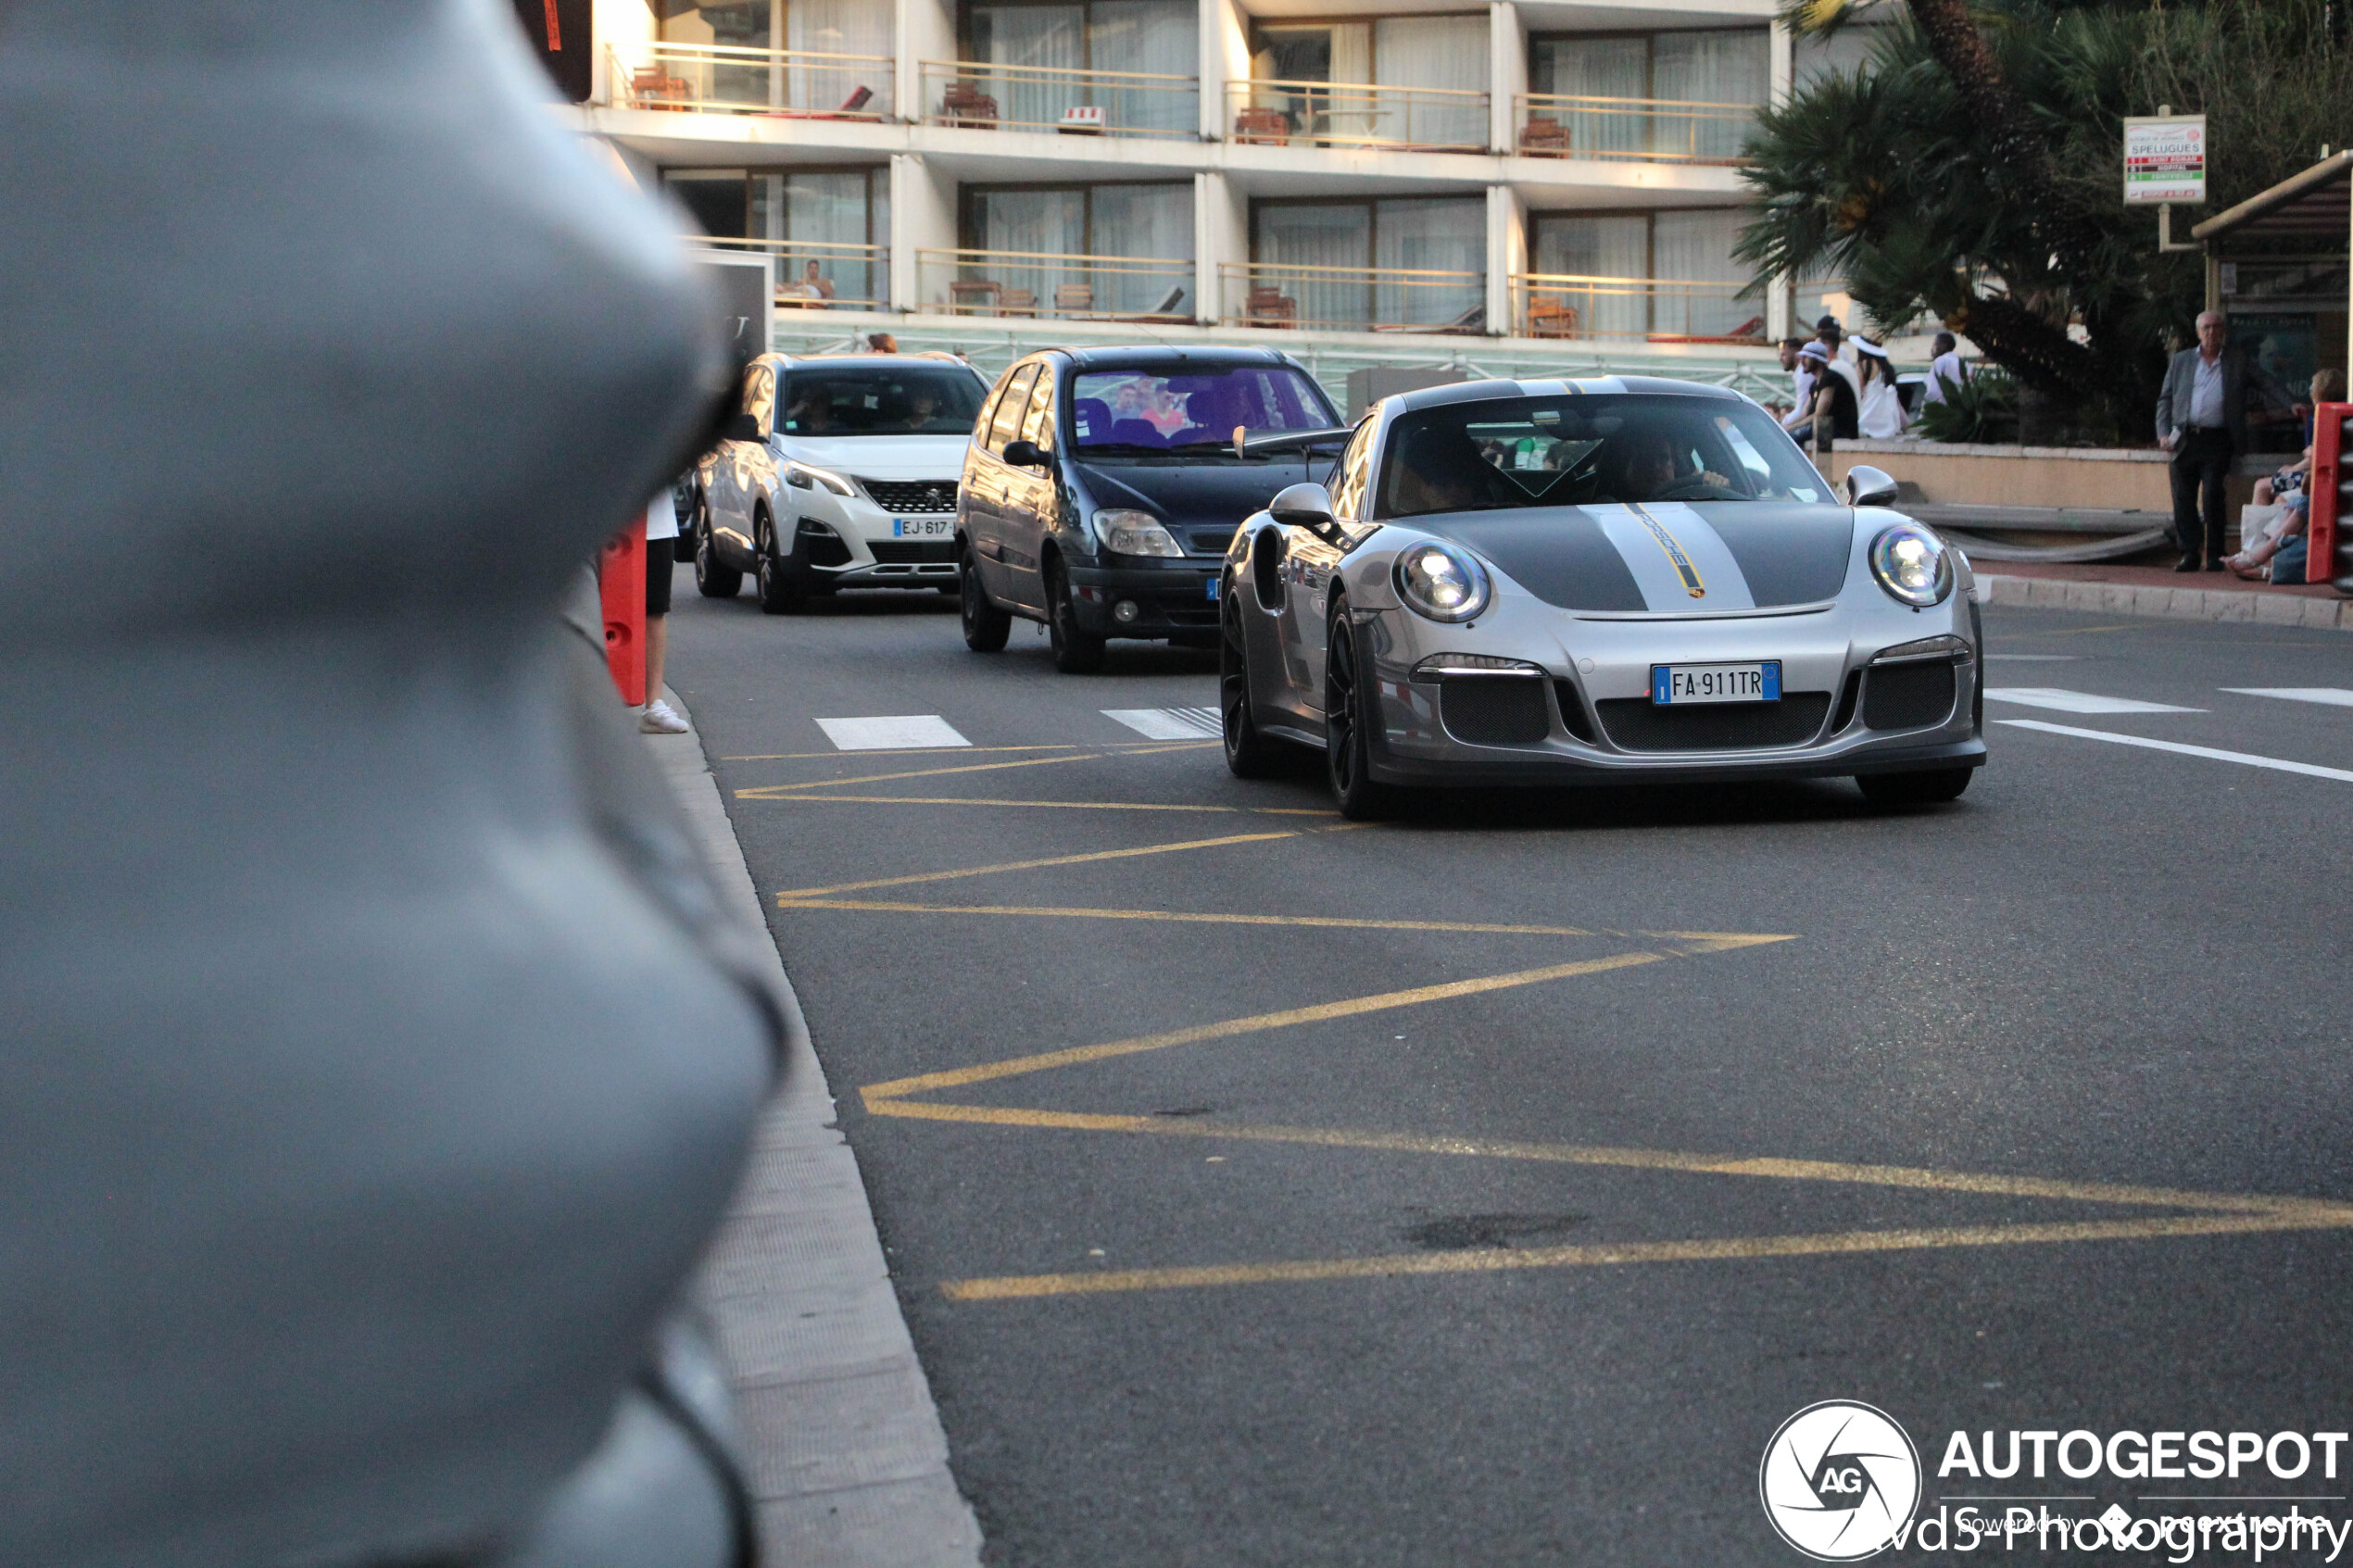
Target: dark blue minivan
1101	488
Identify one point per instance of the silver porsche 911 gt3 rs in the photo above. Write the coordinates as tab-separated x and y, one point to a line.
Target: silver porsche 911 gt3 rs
1600	580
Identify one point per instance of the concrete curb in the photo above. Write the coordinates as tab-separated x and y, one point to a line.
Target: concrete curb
2167	603
850	1462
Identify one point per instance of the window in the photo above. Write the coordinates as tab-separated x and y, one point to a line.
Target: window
1434	250
1706	66
1151	37
908	399
834	220
1445	53
1686	252
1176	406
1355	467
814	27
1038	425
759	397
1035	230
1521	453
1010	409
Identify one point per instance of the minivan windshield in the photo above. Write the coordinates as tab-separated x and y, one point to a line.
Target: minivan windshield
1509	453
878	399
1137	412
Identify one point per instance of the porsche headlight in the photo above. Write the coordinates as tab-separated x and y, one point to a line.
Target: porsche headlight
1913	565
801	476
1135	533
1443	582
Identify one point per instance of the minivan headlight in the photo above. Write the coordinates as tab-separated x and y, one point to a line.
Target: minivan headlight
1135	533
1913	565
1443	582
801	476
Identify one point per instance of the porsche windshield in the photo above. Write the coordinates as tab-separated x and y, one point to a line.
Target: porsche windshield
1520	452
1138	412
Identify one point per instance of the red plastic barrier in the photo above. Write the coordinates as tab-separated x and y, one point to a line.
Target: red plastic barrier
621	578
2328	498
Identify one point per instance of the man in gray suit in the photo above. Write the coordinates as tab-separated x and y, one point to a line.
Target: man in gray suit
2201	418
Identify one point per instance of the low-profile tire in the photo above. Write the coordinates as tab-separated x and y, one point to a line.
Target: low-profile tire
1249	754
1348	714
1932	787
1076	652
713	581
985	626
782	589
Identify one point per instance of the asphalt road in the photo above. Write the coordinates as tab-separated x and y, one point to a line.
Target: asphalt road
2107	967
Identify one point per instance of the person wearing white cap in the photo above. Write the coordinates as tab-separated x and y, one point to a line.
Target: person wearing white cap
1804	361
1879	411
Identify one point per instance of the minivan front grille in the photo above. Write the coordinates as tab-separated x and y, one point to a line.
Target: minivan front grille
915	497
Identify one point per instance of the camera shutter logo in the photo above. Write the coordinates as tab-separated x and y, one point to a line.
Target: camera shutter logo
1840	1481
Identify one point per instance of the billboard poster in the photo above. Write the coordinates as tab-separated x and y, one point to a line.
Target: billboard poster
2165	159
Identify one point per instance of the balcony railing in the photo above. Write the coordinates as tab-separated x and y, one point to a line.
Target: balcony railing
724	79
1041	286
978	96
1658	309
1364	299
823	275
1338	113
1643	130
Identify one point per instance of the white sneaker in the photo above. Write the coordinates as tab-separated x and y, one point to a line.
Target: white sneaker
661	719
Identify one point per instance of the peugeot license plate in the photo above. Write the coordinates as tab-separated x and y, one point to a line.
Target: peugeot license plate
1675	684
922	527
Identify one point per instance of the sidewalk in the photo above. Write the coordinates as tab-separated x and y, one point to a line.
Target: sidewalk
2161	592
849	1465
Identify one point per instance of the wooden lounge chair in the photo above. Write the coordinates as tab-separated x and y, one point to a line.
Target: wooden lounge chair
1262	128
652	87
964	103
975	296
1270	307
1543	136
1017	302
1549	316
1074	299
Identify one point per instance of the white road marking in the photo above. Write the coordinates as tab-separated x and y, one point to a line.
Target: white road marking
905	731
2065	701
2036	658
2332	697
2248	759
1170	723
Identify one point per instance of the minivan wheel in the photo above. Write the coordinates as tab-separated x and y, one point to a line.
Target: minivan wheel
1249	754
713	581
985	626
1076	652
782	589
1348	716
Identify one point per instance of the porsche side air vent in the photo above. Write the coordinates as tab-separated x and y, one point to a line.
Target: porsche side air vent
1636	725
1494	710
1907	696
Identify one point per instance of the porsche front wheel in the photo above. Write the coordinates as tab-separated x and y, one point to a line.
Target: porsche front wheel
1249	754
1350	710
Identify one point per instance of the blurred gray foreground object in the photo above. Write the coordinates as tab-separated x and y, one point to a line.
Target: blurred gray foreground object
376	1059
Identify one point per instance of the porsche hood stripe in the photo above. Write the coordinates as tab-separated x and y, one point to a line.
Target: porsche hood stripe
1676	559
1612	558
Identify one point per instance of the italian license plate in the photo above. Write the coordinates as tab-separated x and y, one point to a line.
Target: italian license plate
1212	587
922	527
1672	684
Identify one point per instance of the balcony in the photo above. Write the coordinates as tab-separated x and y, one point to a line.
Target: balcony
1666	310
1638	129
1359	299
847	277
1328	114
978	95
723	79
1037	286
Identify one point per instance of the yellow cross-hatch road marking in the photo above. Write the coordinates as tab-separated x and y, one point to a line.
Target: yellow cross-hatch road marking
777	792
1188	917
799	894
1057	805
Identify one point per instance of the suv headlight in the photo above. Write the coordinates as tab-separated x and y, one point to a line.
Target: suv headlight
800	476
1442	582
1135	533
1913	565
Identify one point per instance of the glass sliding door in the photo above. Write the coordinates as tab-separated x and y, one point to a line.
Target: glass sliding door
741	24
1051	36
1415	237
832	229
1317	234
1596	68
840	27
1397	262
1697	248
1043	236
1153	38
1709	68
1447	53
1612	252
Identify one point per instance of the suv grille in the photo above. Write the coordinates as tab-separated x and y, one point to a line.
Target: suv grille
913	496
1638	725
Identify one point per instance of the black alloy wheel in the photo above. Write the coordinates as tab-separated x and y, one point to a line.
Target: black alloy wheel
1348	710
783	590
1076	652
1249	754
713	581
1932	787
985	626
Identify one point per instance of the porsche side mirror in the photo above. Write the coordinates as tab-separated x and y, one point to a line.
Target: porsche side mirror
1867	486
744	427
1302	506
1028	455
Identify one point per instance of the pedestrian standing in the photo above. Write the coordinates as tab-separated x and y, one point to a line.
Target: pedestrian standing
2201	418
662	553
1946	374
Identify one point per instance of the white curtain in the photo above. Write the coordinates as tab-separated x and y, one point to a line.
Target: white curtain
1447	52
840	27
1350	117
1032	35
1599	68
1051	222
1159	37
1153	222
1697	246
1598	248
1708	68
1312	234
1442	235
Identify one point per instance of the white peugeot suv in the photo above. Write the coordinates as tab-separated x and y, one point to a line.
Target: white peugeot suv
838	472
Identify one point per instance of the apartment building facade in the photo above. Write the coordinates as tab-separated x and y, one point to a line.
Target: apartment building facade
1517	185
